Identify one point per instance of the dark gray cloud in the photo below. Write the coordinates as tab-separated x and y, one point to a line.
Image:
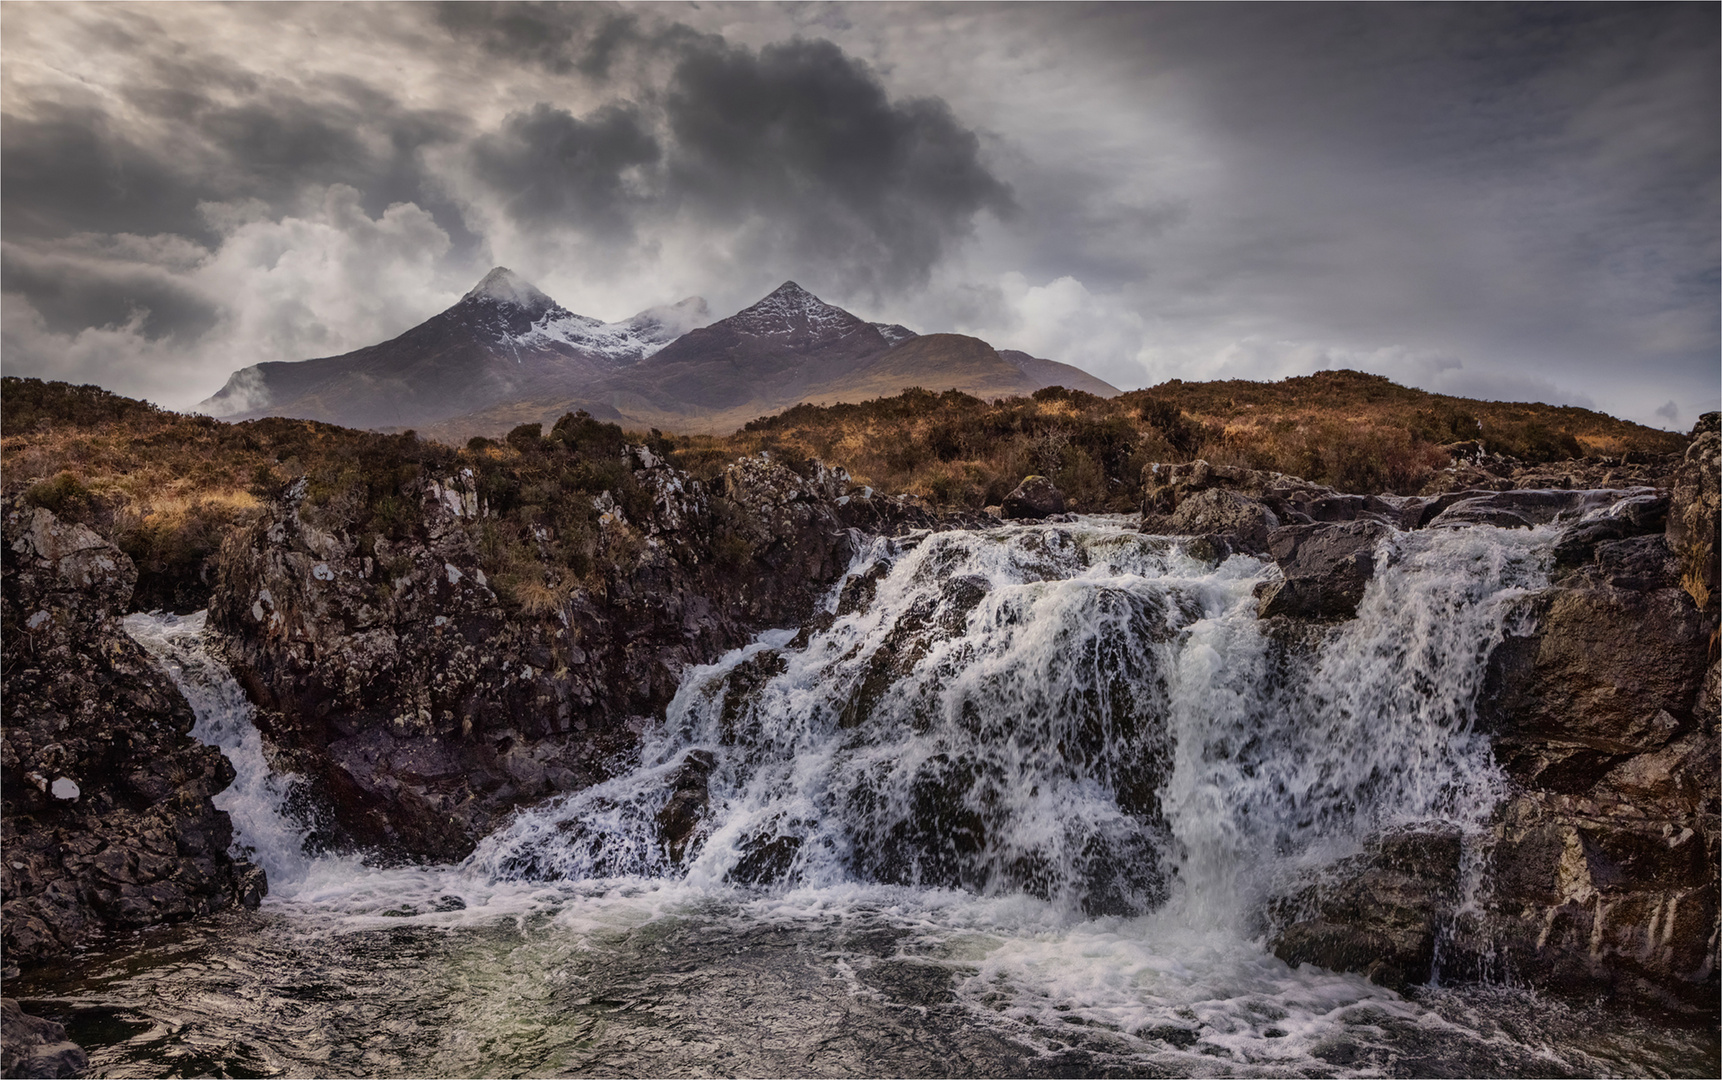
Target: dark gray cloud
551	168
1496	198
805	138
560	38
72	293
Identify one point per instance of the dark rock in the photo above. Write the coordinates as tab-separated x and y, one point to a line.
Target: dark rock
1578	543
1036	497
1241	523
1379	913
1223	520
686	808
421	708
1638	563
1165	487
1612	669
1326	569
1512	509
1479	512
1693	512
1592	896
105	805
766	859
32	1046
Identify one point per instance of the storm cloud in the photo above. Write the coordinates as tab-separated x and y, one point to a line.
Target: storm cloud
806	141
1504	200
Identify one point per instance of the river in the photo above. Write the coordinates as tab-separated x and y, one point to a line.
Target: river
1016	805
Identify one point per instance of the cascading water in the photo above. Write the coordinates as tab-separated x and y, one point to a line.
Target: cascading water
1013	805
264	831
1080	713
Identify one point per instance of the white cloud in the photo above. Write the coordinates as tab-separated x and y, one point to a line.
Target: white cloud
326	280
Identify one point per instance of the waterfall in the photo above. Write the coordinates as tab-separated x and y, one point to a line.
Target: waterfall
264	830
1076	712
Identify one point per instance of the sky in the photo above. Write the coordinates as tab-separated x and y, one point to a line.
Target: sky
1511	202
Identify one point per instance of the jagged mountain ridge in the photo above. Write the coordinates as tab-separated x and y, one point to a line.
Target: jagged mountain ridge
504	339
506	353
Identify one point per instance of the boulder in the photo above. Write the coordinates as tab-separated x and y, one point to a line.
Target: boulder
1036	497
32	1046
1324	568
686	808
1608	668
105	803
1165	487
1511	509
1380	913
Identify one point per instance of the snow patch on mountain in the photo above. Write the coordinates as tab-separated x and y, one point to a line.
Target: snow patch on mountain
627	341
895	333
791	309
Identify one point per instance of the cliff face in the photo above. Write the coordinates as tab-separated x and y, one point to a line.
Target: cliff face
422	708
107	816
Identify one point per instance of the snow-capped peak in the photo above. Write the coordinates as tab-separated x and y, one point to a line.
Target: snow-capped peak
506	287
623	342
790	308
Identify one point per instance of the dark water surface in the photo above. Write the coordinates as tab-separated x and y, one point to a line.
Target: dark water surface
712	989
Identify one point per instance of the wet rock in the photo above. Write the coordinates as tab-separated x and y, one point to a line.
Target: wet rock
1379	913
33	1046
1036	497
1480	511
766	859
1325	569
1593	896
1693	512
682	814
1227	518
421	707
1603	874
1609	668
1511	509
105	804
1165	487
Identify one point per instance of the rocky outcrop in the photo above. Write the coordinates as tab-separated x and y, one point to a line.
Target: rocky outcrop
32	1046
421	707
1325	569
1035	498
107	820
1381	913
1599	871
1692	517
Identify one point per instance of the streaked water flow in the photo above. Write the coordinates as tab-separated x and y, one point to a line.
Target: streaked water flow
1012	806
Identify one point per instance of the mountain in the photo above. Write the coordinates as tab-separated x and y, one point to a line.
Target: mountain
504	340
508	354
788	348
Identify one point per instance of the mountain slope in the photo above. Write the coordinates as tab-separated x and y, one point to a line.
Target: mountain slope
503	340
776	351
791	347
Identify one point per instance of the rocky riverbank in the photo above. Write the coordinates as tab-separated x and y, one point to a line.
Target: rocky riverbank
420	703
421	708
1599	875
107	817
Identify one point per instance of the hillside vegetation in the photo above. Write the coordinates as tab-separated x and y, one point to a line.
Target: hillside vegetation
1355	432
167	487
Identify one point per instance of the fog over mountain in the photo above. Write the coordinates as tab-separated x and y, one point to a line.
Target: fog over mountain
1502	201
